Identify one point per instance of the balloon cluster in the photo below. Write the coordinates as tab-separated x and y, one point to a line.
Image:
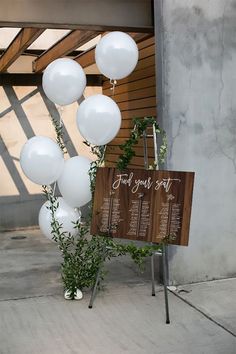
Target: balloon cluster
98	120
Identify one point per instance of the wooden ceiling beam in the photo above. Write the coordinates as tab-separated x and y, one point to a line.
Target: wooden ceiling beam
22	41
86	58
36	79
64	46
102	15
139	37
38	52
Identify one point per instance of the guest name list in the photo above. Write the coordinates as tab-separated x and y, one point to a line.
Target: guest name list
143	205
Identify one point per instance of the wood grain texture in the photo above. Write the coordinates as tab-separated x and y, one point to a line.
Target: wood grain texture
140	37
146	62
138	113
134	95
22	41
118	141
136	160
64	46
136	75
148	42
132	86
146	52
116	150
127	123
136	98
86	58
144	205
135	104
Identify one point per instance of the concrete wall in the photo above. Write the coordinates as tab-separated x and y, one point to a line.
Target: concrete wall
200	118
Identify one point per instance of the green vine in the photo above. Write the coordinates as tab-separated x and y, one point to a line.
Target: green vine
82	254
99	151
140	125
58	126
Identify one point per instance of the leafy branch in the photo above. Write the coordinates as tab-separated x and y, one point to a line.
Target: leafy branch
58	126
82	254
140	126
99	151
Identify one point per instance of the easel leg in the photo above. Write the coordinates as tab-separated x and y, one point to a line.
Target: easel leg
164	265
95	288
153	274
97	281
167	264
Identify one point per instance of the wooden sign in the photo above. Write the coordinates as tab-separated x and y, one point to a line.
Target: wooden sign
146	205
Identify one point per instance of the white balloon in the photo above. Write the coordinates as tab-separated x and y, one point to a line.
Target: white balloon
116	55
98	119
64	81
41	160
74	182
64	214
78	295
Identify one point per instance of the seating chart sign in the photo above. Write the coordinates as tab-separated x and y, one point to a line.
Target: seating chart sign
146	205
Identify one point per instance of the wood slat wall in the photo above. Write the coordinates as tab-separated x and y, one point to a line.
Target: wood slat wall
136	97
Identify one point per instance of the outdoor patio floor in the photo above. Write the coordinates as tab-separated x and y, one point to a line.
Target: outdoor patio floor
35	318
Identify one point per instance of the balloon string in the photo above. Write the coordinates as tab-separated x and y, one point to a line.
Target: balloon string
113	83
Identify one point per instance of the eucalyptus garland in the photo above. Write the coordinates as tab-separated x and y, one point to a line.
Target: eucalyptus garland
58	126
99	151
140	125
82	254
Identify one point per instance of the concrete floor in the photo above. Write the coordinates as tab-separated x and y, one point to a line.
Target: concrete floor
34	317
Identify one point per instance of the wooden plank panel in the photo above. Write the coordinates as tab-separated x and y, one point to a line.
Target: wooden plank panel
119	141
21	42
87	58
109	164
113	164
140	37
123	133
36	79
145	63
142	64
116	150
146	52
136	160
134	95
64	46
136	197
136	85
136	75
129	124
141	103
142	112
138	166
147	43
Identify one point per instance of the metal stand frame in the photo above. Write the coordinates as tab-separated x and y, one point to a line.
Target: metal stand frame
163	253
94	291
